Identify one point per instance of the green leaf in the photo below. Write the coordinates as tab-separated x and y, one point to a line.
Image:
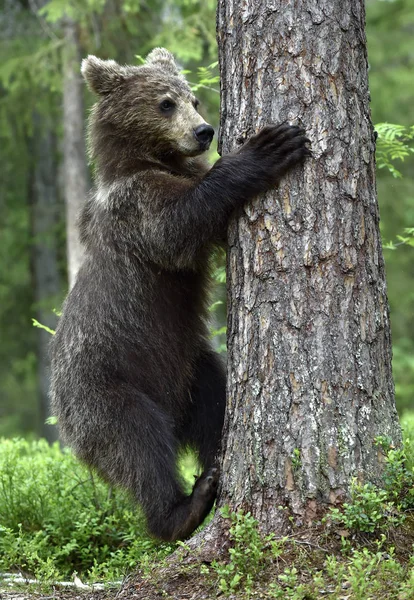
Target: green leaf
213	307
40	326
51	421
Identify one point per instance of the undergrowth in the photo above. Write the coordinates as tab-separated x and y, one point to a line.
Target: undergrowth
309	567
56	518
364	565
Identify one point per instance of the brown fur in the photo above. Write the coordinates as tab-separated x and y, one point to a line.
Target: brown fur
134	374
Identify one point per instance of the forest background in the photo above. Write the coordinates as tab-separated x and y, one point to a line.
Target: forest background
33	265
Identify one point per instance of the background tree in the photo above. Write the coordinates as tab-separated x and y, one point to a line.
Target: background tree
309	371
43	197
29	206
391	61
76	183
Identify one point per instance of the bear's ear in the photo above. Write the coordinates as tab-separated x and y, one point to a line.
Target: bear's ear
102	76
163	59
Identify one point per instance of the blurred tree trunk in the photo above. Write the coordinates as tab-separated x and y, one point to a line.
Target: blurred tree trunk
309	350
76	181
43	195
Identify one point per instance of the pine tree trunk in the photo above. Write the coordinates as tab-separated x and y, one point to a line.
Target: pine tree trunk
309	350
76	182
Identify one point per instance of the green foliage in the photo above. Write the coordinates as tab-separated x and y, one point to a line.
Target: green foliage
365	574
407	425
391	62
56	517
371	509
403	366
395	142
29	68
246	554
364	562
398	478
408	239
399	469
207	77
265	567
189	29
78	10
368	510
289	588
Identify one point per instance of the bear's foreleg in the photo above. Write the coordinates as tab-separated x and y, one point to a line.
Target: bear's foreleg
179	219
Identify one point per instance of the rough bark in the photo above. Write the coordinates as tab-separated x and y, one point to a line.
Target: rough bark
76	181
309	351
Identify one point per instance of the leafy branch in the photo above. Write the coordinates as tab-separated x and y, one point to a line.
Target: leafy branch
394	142
41	326
407	239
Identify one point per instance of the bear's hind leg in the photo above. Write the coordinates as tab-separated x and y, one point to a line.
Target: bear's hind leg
180	519
135	447
203	426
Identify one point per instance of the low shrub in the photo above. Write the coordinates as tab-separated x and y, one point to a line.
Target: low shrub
57	517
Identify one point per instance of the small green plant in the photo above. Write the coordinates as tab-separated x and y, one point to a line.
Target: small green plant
246	554
296	460
277	547
41	326
369	509
399	481
361	567
289	588
335	571
399	472
372	509
406	589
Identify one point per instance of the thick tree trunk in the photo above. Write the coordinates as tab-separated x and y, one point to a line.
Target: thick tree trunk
76	182
309	351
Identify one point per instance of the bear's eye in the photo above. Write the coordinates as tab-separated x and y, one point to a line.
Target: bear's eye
196	104
167	106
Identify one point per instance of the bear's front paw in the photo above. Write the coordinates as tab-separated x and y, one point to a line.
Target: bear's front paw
278	148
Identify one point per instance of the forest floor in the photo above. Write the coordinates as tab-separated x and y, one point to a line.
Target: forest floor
304	568
313	565
55	595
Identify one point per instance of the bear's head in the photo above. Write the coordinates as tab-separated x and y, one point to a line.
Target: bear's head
150	109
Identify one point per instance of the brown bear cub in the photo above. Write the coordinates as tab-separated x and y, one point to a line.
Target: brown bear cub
134	375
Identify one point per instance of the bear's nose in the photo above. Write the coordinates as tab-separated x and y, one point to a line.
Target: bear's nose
204	134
